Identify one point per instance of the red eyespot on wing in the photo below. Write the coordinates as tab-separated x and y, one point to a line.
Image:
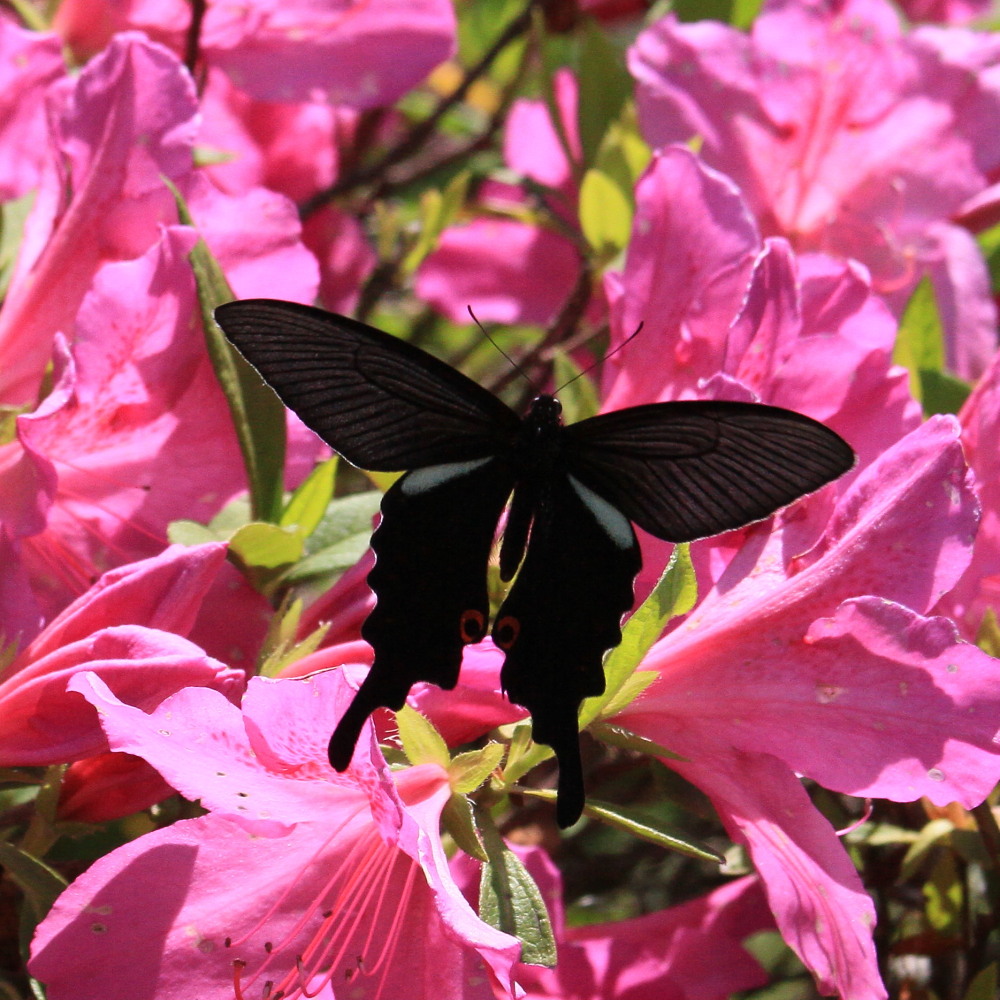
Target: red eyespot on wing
472	625
506	631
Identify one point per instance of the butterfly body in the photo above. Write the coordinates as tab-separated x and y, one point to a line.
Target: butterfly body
680	470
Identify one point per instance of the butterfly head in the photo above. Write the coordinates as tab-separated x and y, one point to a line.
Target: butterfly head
546	411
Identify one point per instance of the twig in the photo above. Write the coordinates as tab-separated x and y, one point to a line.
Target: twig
421	132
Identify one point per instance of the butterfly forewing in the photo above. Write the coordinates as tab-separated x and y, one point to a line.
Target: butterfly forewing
688	470
380	402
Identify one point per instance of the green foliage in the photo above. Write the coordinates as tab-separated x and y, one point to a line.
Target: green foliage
422	743
648	828
604	85
605	214
258	415
510	901
920	349
13	215
674	594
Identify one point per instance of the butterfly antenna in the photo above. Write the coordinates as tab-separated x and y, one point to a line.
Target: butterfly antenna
520	371
600	361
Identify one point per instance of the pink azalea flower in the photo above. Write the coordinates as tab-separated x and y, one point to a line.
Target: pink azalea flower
129	120
743	319
691	950
298	877
345	257
847	136
20	616
823	665
475	705
136	432
124	630
87	26
462	714
468	711
359	54
979	587
804	334
288	147
507	270
945	11
29	64
109	786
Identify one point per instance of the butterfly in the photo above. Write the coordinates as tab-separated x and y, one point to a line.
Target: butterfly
679	470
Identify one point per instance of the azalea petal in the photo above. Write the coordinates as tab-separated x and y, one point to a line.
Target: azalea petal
29	62
198	741
817	898
845	134
308	875
507	271
164	593
978	588
684	211
46	723
131	121
361	55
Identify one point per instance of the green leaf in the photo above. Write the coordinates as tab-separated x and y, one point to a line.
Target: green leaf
280	650
932	835
332	560
422	743
39	883
231	518
510	901
605	213
438	209
604	85
13	215
647	828
744	13
943	896
345	517
258	415
578	395
674	594
989	244
523	754
633	686
984	984
624	154
988	635
340	540
456	817
616	736
266	546
189	533
920	349
703	10
942	392
308	503
468	771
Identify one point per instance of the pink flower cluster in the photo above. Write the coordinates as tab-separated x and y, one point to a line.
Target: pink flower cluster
802	179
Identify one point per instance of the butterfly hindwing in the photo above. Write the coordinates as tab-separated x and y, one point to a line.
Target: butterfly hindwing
562	614
688	470
431	553
377	400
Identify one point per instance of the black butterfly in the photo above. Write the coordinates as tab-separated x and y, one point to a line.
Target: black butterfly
680	470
